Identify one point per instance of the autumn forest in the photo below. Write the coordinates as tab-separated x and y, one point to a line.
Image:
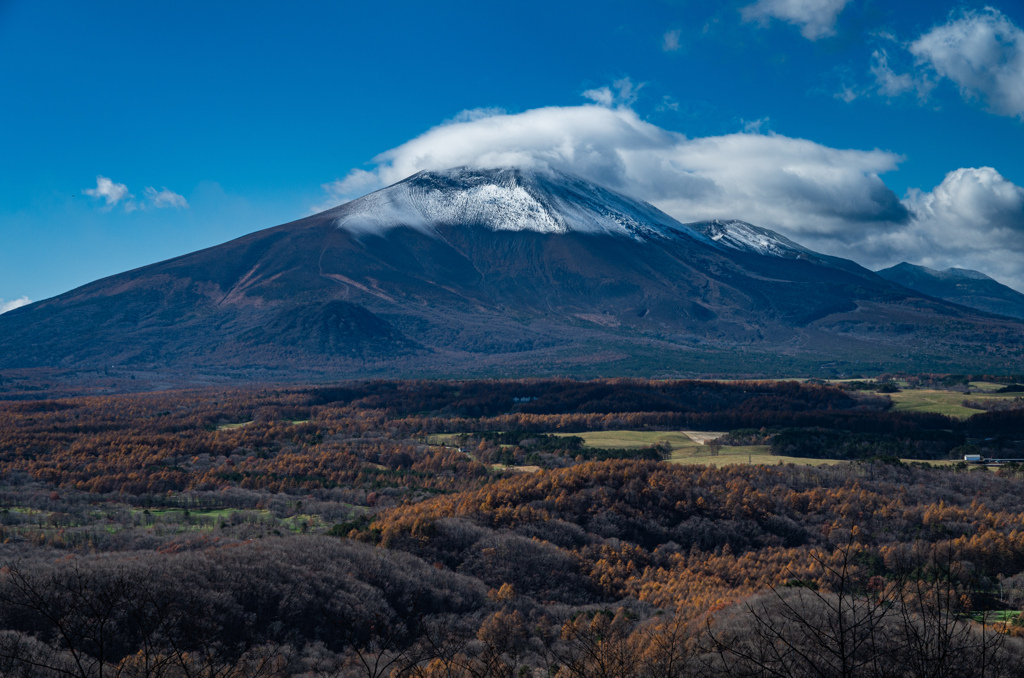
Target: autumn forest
482	528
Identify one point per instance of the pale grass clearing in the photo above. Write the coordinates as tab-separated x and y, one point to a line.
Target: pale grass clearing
230	427
949	403
746	454
628	440
688	447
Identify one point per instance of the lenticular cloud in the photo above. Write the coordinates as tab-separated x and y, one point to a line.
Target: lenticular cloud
831	200
789	184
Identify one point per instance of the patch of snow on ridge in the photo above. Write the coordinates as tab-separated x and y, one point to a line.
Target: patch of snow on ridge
381	211
963	274
507	200
739	235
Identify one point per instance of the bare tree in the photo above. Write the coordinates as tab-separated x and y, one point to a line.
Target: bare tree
386	651
665	647
934	632
804	630
598	645
78	612
912	623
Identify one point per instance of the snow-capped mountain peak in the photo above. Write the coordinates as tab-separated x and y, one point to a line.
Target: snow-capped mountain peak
508	200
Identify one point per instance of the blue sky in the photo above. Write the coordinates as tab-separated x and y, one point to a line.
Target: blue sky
860	128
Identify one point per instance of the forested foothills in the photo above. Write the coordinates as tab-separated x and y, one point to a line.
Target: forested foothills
482	528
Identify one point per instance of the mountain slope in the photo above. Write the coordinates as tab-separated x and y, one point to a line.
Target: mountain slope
960	286
492	271
739	235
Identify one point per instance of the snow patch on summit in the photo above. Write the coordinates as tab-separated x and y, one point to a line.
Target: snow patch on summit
551	202
508	200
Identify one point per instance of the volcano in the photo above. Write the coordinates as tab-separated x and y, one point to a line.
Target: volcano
504	272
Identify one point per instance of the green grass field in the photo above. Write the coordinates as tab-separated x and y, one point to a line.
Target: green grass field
207	517
228	427
985	386
747	454
629	440
996	616
687	448
443	438
198	513
941	402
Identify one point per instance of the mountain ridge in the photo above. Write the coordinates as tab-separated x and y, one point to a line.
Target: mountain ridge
961	286
582	280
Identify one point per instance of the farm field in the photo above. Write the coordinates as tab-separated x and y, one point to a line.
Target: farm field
949	403
990	386
242	424
232	427
761	454
206	519
637	439
996	616
743	454
443	438
688	448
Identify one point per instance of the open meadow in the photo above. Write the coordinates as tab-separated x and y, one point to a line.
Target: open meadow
948	403
690	447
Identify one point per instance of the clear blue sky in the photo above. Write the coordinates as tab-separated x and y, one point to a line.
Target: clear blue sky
245	110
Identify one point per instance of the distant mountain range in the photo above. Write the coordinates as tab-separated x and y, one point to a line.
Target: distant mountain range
498	272
959	285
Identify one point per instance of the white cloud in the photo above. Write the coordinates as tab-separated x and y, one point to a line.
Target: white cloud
756	126
983	54
888	81
164	198
978	195
816	18
670	41
622	93
973	219
667	104
109	191
794	185
114	194
602	96
475	114
6	306
831	200
847	94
